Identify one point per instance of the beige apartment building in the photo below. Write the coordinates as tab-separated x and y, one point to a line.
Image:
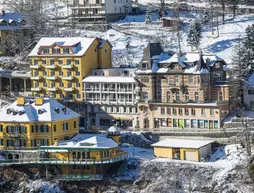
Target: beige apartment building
110	97
187	91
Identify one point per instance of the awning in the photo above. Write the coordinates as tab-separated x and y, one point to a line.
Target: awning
123	118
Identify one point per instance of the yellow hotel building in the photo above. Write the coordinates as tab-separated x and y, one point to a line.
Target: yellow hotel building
60	64
30	123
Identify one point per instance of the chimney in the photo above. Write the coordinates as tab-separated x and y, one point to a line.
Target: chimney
3	12
56	143
21	101
39	101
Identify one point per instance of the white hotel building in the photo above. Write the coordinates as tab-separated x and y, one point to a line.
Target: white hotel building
110	95
106	10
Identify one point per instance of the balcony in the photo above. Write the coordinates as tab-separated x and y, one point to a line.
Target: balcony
35	66
37	89
69	66
69	89
68	77
51	78
54	66
53	89
88	5
35	77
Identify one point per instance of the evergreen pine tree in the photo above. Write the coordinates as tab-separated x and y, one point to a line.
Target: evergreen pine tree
248	48
194	34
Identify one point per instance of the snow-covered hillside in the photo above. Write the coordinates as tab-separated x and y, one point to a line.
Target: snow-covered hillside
130	36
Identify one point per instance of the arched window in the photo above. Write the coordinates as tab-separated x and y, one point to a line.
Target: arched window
220	96
177	96
187	97
196	96
168	96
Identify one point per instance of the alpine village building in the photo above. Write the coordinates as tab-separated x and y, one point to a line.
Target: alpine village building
58	66
29	123
41	131
100	10
186	91
13	28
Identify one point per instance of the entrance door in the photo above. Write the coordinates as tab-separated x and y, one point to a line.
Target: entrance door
190	155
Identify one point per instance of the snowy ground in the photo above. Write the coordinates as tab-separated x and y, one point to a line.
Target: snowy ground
224	172
130	36
223	157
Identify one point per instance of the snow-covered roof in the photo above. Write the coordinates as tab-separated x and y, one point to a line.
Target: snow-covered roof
191	57
10	17
182	143
89	141
30	112
84	44
114	129
109	79
251	80
170	18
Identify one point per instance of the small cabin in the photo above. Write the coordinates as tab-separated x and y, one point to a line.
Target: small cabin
183	149
170	22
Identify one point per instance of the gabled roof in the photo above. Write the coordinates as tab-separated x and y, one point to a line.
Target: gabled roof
31	112
202	68
10	17
103	43
82	43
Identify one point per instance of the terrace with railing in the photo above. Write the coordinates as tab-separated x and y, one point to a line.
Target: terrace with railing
39	157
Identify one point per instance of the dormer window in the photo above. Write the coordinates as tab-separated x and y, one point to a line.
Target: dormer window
3	22
217	65
45	51
21	21
56	51
66	50
144	65
12	22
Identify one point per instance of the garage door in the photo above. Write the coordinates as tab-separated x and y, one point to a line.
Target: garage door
190	155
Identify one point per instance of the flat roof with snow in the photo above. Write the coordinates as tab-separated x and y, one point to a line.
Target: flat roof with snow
182	143
109	79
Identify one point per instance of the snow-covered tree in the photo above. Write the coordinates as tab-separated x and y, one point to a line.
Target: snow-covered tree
194	34
248	48
239	74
